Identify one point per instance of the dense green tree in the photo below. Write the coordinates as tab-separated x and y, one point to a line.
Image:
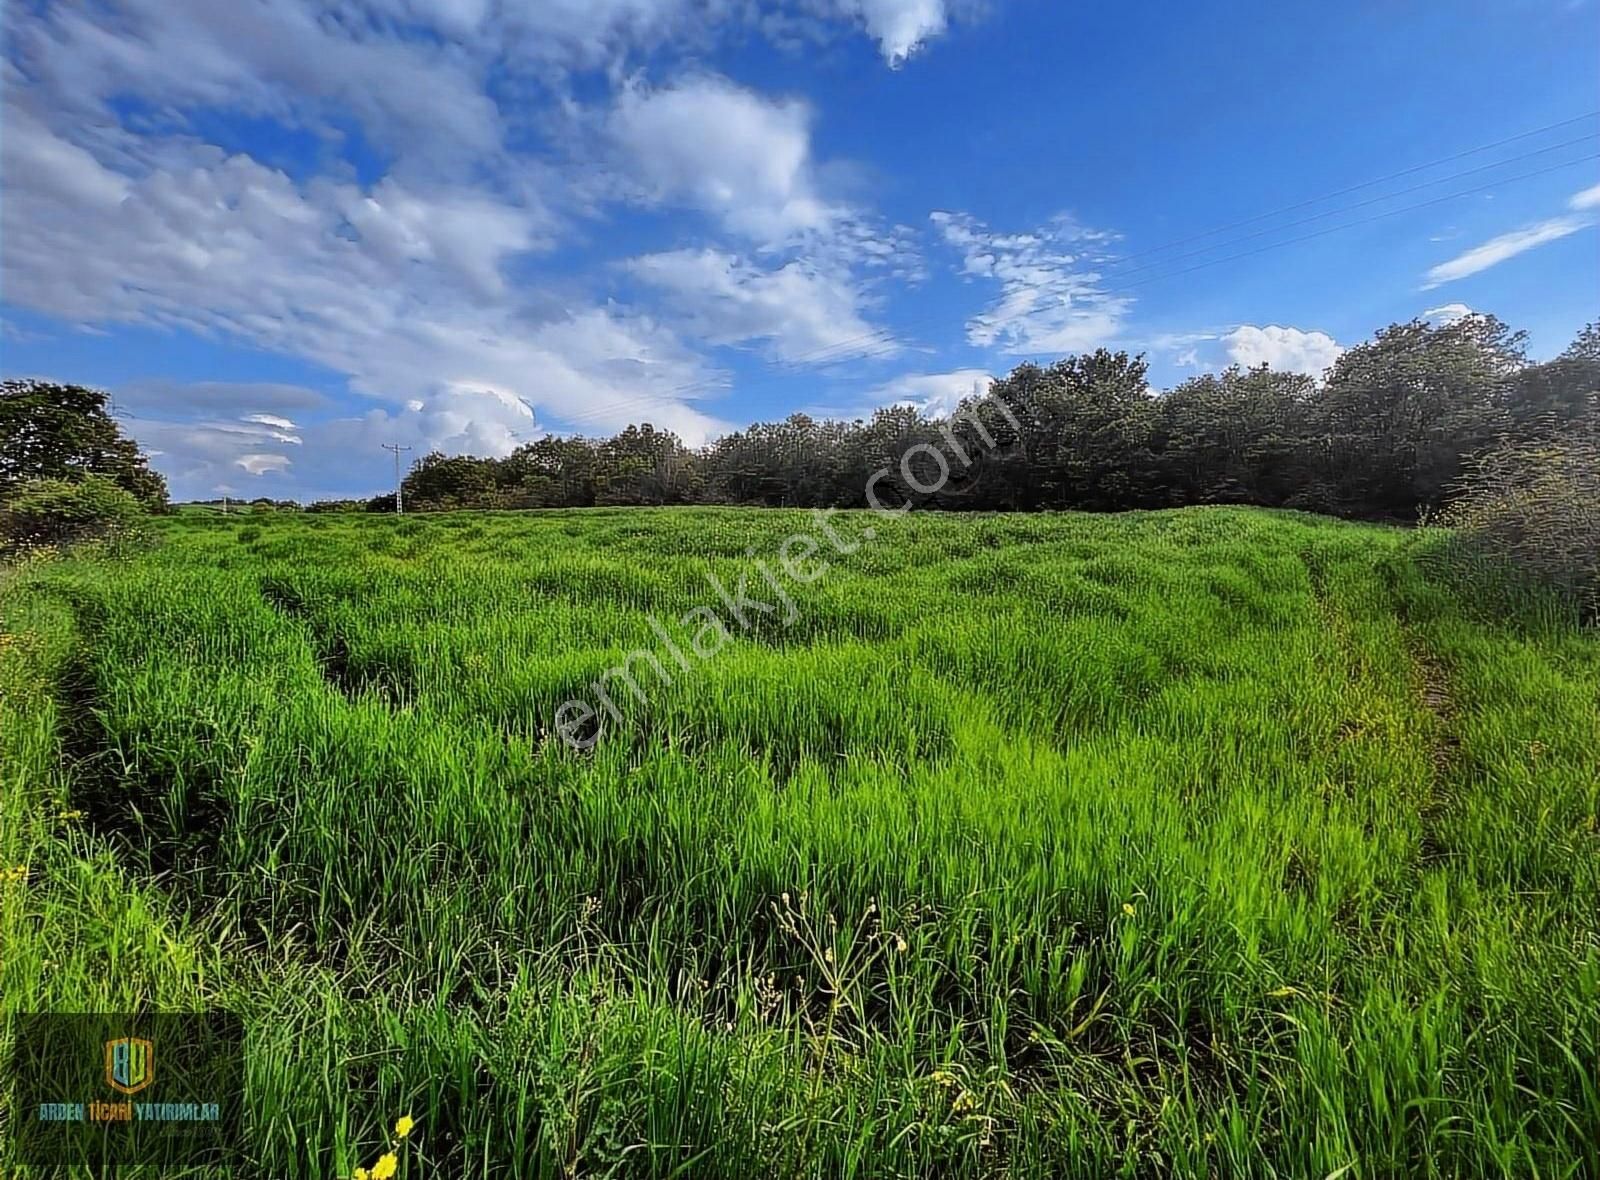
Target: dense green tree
1082	431
449	481
1388	433
643	465
54	431
1235	437
1561	396
1401	412
551	473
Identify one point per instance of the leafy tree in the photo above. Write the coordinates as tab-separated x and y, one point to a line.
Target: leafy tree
1389	432
1235	437
643	465
1083	432
551	473
1561	396
449	481
54	431
1400	413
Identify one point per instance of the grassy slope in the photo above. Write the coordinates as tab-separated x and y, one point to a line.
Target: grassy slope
1213	841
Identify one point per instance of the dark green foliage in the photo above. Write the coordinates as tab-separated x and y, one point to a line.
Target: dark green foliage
65	511
1536	507
54	431
1384	435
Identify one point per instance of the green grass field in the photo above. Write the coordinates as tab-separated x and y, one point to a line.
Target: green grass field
1202	843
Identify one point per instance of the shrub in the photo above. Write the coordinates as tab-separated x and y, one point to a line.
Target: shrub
1537	506
64	511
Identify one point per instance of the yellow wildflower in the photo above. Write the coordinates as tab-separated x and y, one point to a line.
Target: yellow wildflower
359	1174
403	1125
1127	908
385	1167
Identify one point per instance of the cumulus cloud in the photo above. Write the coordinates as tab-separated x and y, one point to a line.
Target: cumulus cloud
802	277
1051	295
326	455
398	288
413	286
1447	314
739	156
933	393
900	27
804	312
260	464
1287	349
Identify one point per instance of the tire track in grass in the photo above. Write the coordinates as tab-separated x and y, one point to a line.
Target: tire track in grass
343	672
1444	746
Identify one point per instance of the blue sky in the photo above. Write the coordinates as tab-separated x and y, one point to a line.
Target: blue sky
284	233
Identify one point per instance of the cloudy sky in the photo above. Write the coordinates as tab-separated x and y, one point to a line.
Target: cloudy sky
283	233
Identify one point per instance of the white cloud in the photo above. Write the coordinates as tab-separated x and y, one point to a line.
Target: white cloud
1051	295
594	32
269	420
469	233
745	161
414	286
1447	314
933	393
290	60
261	464
406	299
900	27
806	313
1589	198
1499	249
1286	349
741	157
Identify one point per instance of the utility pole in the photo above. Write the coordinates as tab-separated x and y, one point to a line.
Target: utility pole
399	501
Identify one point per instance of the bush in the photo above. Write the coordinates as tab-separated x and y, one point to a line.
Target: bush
64	511
1537	506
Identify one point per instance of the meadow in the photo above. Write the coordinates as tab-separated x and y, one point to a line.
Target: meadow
1207	842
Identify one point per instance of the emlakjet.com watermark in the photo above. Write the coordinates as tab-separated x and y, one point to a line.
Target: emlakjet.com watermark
760	597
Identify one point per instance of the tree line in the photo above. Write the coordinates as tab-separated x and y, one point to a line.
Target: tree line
1385	434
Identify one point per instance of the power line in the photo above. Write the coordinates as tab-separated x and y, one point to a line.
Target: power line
1346	209
848	347
1352	224
1388	196
1411	171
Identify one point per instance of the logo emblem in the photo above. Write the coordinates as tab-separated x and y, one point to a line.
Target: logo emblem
130	1064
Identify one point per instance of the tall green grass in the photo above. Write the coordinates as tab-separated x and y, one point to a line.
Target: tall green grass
1211	842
